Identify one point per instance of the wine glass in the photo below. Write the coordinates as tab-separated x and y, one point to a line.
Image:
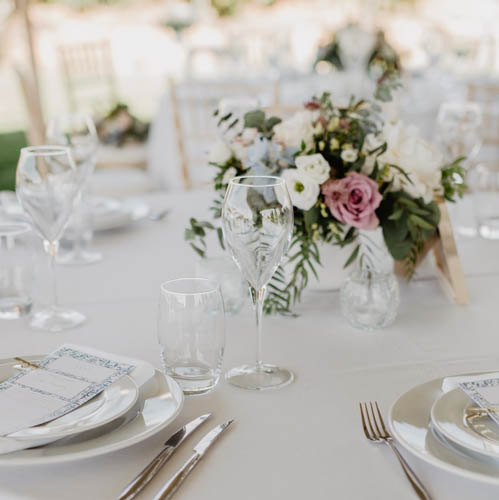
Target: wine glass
459	133
257	219
77	131
458	125
47	185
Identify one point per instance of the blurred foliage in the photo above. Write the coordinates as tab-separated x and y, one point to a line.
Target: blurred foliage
82	4
10	144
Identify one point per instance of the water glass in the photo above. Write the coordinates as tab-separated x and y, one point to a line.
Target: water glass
16	268
223	270
486	199
191	332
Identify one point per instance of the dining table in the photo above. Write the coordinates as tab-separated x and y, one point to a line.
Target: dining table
302	441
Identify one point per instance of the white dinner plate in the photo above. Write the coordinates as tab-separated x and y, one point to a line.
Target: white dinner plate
112	403
409	421
162	404
108	213
479	435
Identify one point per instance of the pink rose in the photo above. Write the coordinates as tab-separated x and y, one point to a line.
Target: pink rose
353	200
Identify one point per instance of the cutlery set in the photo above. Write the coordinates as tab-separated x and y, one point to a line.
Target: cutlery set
171	445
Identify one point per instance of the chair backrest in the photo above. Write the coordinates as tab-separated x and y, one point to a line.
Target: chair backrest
194	104
486	93
89	76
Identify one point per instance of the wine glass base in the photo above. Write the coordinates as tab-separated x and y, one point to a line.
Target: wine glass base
79	258
259	378
56	319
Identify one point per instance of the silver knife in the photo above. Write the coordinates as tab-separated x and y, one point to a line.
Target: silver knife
199	450
144	477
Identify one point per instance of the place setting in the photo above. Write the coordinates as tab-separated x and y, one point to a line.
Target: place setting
78	403
451	423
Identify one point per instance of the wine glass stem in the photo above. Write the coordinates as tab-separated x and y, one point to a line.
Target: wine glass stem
51	249
258	297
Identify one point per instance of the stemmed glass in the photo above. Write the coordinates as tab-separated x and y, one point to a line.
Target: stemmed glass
459	133
77	131
458	125
47	185
257	217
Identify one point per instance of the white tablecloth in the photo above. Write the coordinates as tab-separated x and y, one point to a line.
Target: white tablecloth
304	441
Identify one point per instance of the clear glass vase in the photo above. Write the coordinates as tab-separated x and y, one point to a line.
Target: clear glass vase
370	295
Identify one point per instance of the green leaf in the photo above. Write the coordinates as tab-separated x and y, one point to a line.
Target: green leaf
311	217
352	257
255	119
419	221
396	215
272	122
198	250
220	235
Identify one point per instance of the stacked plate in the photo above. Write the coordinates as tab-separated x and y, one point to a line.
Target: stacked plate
122	415
437	427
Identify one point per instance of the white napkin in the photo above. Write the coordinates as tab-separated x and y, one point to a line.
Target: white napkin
450	383
142	375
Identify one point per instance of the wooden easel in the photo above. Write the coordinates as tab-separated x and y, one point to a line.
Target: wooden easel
449	270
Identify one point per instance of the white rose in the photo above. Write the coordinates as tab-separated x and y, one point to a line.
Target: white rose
304	191
230	173
220	153
297	129
349	155
313	166
420	160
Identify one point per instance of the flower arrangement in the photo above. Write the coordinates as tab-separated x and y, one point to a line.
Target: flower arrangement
347	173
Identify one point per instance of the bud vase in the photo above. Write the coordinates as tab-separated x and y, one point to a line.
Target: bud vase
370	295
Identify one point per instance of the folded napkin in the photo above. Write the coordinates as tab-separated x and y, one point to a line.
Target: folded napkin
450	383
142	375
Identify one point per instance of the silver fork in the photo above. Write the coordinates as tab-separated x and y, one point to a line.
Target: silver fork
379	434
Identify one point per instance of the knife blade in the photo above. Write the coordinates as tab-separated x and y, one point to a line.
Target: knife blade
199	450
145	476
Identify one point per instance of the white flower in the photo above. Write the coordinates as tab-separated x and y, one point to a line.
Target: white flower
313	166
230	173
303	190
220	153
249	135
349	155
420	160
297	129
240	143
371	142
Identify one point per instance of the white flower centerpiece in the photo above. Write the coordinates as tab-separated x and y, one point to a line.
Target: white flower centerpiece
348	173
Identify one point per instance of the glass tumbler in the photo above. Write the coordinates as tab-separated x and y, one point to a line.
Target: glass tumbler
16	268
191	332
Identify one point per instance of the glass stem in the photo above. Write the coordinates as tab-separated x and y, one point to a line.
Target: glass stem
258	298
51	249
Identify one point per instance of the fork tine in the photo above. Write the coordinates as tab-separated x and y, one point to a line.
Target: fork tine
366	432
375	420
381	420
369	422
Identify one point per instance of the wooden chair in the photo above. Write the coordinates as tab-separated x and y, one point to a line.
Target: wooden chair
89	76
193	105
